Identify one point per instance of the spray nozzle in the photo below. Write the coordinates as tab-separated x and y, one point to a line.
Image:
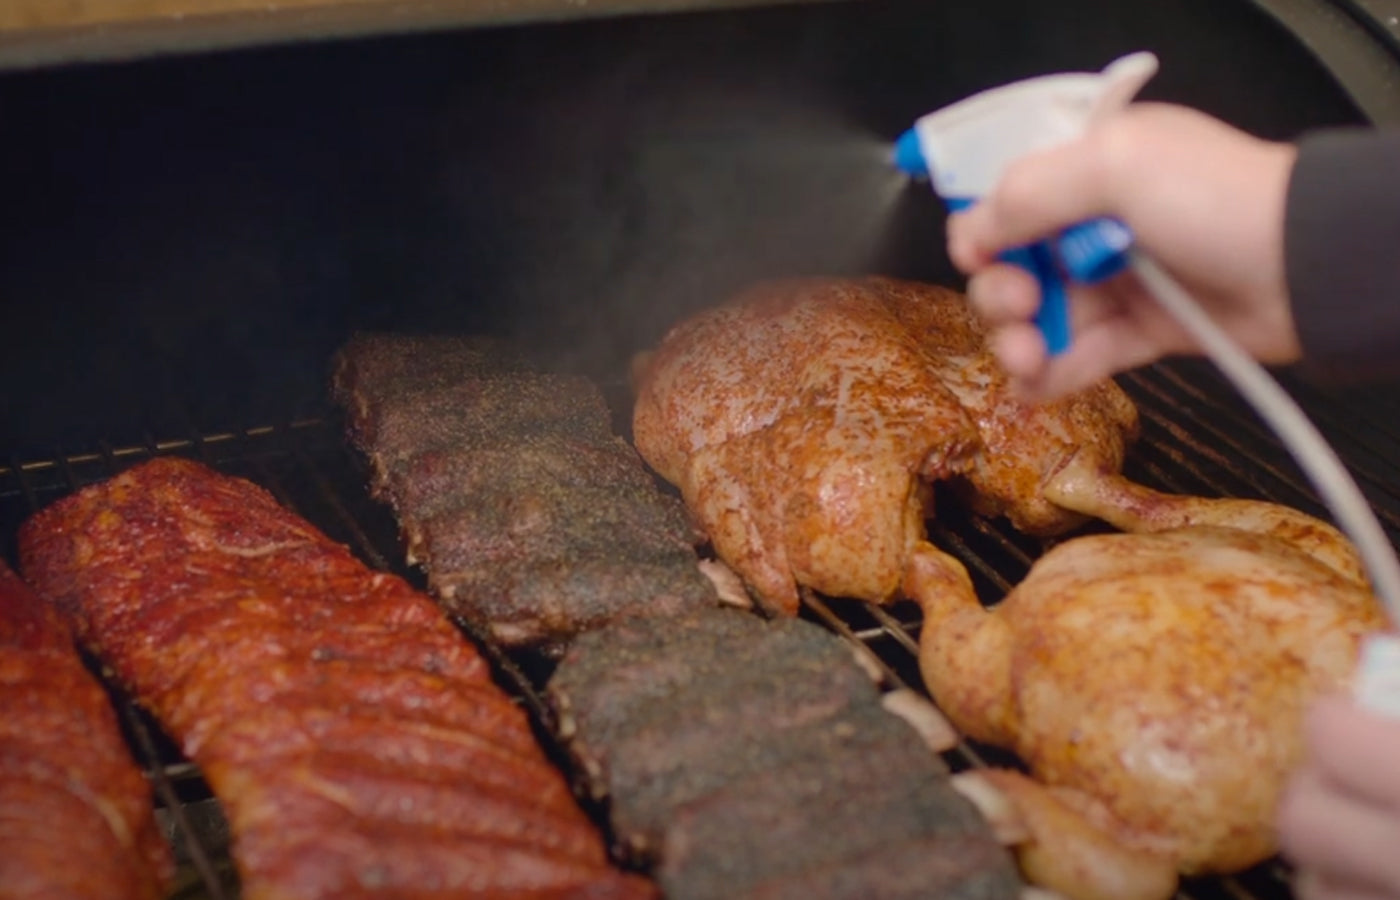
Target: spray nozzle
909	156
964	148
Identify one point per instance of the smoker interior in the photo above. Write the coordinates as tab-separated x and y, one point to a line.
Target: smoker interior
187	241
1197	439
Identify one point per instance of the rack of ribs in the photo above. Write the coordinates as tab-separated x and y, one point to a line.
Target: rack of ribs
750	758
75	812
356	741
528	514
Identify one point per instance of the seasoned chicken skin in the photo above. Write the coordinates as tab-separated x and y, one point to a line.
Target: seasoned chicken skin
803	420
1126	505
1153	684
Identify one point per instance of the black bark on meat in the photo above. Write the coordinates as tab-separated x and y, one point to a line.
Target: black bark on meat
547	601
430	479
746	758
609	677
946	867
530	516
779	824
375	369
700	764
546	520
504	410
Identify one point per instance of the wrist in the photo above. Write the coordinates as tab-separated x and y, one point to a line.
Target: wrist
1340	232
1276	172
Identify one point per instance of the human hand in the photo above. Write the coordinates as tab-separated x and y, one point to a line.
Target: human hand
1204	200
1339	819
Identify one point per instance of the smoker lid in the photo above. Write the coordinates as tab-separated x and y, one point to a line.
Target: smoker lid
1357	41
41	32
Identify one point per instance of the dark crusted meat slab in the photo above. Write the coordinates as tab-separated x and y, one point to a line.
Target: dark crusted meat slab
664	737
543	602
488	524
746	758
488	411
356	741
432	480
388	368
846	806
946	867
528	514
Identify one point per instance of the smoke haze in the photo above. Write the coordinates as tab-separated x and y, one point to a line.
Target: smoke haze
656	186
189	239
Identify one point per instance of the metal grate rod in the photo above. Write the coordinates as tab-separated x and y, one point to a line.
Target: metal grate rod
148	447
895	629
362	542
1246	424
1165	412
951	541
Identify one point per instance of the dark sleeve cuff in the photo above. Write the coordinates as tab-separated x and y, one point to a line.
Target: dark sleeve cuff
1342	253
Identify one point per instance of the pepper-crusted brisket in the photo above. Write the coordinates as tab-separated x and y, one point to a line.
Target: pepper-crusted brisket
749	759
355	740
75	811
529	515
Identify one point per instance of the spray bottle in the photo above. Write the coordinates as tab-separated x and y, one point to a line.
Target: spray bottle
964	148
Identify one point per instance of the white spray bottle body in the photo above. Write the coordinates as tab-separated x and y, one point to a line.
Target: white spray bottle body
964	149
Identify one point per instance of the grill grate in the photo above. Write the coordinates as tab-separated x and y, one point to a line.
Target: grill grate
1197	438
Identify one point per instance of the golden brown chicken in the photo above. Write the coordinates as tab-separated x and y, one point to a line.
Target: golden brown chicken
803	420
1153	683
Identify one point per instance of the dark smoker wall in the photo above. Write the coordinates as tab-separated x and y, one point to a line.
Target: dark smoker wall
202	232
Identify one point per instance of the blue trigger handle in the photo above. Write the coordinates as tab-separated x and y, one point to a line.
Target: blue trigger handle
1053	316
1087	253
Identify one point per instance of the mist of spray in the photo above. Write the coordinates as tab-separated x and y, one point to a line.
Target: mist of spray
728	209
625	205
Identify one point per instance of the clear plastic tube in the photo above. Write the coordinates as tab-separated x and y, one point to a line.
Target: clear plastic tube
1353	514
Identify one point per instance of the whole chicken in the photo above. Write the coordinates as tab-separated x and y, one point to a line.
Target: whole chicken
804	420
1153	683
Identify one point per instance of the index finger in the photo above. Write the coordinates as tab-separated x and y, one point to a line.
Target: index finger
1037	196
